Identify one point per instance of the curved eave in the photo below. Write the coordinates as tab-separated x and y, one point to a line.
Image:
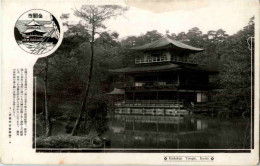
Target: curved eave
33	23
136	72
33	30
117	92
163	68
146	69
170	46
166	42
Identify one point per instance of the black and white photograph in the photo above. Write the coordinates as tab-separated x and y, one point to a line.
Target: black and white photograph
130	82
166	81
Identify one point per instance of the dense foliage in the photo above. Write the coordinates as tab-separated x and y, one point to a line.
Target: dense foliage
68	65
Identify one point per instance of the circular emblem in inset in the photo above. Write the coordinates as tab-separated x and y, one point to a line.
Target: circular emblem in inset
38	32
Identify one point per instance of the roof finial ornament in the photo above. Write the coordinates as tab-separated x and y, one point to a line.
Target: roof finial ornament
166	34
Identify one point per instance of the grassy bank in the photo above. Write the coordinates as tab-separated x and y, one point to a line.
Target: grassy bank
67	141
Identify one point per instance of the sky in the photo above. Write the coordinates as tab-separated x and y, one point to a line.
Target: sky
178	16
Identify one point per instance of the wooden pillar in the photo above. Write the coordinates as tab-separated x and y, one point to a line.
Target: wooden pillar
178	126
124	80
125	86
124	123
195	95
157	127
156	141
186	94
124	141
178	79
157	95
178	95
164	127
187	80
200	95
133	97
134	125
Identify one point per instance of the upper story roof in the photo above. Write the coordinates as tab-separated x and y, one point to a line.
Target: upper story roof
164	68
33	23
166	42
32	30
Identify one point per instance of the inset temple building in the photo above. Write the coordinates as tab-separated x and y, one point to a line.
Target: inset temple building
33	32
37	31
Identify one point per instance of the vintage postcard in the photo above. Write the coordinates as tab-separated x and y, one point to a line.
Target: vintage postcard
137	82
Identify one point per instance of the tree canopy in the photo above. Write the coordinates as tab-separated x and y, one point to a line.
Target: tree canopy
69	65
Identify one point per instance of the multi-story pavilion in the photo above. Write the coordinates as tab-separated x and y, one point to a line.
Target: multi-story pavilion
33	32
163	80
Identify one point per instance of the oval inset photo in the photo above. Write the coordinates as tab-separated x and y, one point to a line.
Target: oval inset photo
37	32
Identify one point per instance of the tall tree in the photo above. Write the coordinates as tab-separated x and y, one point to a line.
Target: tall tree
94	17
237	72
47	114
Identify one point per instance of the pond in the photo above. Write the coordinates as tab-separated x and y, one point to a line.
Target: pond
179	133
159	132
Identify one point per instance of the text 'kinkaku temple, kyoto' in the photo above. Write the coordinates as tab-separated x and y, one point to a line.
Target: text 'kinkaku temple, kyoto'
163	81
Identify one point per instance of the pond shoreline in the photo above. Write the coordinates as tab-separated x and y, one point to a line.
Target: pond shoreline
188	132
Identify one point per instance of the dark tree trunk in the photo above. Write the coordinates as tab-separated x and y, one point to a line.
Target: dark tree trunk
47	115
83	105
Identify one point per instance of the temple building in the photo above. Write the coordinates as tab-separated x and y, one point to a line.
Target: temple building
33	32
163	81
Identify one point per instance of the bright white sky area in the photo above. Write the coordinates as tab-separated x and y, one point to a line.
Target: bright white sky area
178	16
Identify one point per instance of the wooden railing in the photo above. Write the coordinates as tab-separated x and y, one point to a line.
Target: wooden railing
186	61
147	83
151	107
151	59
150	103
164	59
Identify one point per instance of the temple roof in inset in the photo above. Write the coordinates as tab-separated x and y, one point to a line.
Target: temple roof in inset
33	23
32	30
21	25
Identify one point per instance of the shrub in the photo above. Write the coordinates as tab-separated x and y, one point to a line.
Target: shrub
65	141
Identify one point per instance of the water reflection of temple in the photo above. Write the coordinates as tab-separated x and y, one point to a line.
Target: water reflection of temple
141	131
